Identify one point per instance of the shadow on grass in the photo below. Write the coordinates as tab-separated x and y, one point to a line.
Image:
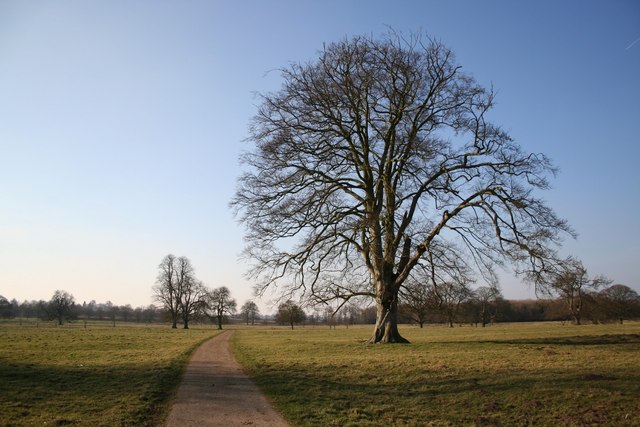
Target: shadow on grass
579	340
468	396
516	398
88	395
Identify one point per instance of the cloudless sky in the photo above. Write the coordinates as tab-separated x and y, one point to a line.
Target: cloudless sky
121	123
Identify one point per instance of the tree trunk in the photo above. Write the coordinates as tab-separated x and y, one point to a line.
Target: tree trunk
576	319
174	320
220	322
386	329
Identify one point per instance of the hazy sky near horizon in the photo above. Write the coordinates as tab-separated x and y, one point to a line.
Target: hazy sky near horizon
121	123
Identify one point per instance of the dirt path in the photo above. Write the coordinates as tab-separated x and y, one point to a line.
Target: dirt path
216	392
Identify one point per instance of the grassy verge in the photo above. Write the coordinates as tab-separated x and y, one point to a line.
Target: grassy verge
99	376
518	374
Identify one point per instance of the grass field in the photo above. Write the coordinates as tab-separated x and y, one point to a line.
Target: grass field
98	376
510	375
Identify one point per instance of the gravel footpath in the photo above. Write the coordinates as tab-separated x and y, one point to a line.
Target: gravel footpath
216	392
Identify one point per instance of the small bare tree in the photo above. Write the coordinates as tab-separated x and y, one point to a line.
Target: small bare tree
569	280
250	312
61	305
416	300
450	296
485	297
621	302
218	304
290	313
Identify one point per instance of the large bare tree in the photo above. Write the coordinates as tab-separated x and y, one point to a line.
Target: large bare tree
166	290
178	290
377	157
191	291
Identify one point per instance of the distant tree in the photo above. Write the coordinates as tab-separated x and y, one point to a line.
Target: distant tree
127	313
112	311
61	306
347	314
369	315
620	302
90	309
290	313
137	314
503	310
485	298
100	311
416	301
37	309
569	280
6	308
250	312
218	303
15	308
448	298
351	314
328	317
150	313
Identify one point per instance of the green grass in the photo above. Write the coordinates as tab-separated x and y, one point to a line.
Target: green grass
517	374
99	376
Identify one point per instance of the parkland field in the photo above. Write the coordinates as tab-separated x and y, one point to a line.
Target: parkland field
511	374
544	374
98	376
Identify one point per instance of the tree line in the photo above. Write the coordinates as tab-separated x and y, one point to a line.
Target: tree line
479	307
482	306
63	307
572	295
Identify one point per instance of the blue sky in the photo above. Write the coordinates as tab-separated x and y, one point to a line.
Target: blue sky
121	123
